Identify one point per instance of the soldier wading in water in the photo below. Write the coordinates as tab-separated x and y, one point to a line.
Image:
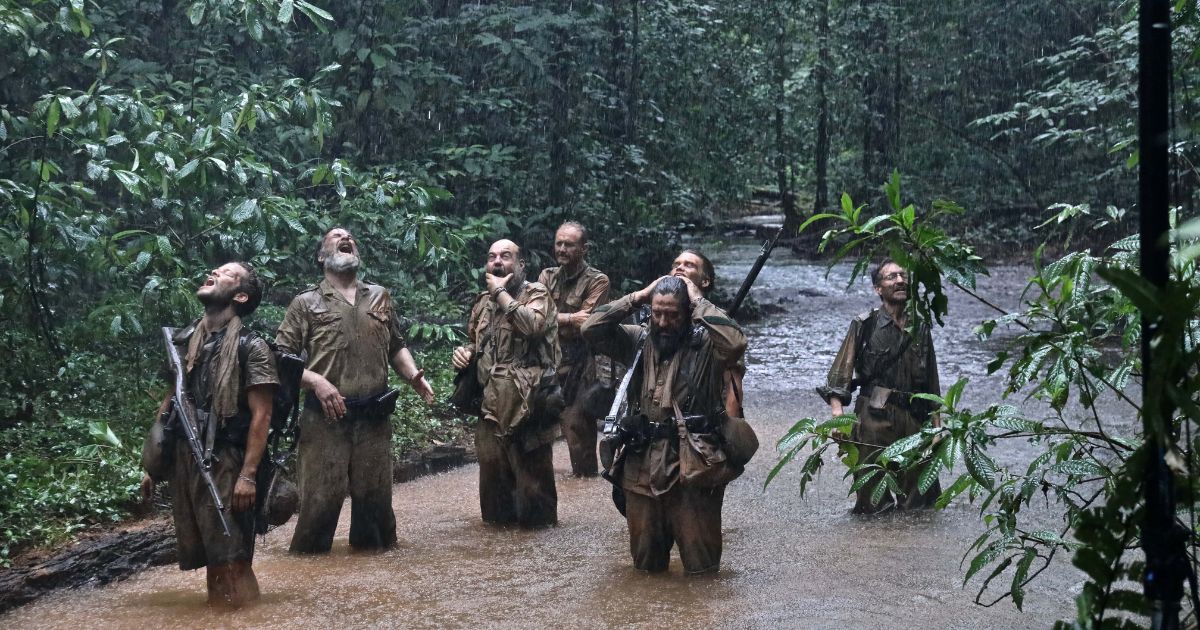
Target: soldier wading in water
887	365
230	378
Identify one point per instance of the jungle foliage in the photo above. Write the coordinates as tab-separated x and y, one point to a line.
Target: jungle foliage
1073	347
142	143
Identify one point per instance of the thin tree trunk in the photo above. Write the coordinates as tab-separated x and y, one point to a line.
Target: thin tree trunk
821	196
791	221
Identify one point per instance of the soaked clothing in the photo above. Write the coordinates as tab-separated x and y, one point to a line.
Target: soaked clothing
581	292
514	347
351	345
660	510
877	353
199	537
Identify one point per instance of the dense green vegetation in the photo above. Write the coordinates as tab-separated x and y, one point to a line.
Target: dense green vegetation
142	143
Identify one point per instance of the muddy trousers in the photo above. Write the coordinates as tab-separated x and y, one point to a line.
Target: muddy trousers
351	456
689	517
199	538
515	486
580	434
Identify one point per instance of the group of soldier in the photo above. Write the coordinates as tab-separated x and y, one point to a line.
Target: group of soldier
535	351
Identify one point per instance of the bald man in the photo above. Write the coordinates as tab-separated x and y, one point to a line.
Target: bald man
512	336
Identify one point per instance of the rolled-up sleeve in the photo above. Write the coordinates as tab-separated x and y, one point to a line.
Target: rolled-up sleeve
604	333
840	381
293	330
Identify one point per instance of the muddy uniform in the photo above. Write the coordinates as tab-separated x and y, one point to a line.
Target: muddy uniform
514	346
351	346
660	509
198	534
580	293
877	356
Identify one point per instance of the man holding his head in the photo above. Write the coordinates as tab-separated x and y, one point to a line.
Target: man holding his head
887	365
577	289
351	332
512	344
691	343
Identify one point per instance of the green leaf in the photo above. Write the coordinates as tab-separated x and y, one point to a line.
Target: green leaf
187	169
1079	467
195	12
103	433
244	211
929	475
285	11
981	467
52	115
164	246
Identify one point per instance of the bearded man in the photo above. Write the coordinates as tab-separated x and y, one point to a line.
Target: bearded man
512	345
351	332
230	379
887	364
679	398
577	289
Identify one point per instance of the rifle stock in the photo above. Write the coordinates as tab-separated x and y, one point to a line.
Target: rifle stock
182	410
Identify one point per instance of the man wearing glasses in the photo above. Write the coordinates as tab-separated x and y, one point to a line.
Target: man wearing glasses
887	363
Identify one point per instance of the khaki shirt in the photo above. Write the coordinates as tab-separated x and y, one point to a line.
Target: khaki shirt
693	377
578	293
258	369
915	371
350	345
514	345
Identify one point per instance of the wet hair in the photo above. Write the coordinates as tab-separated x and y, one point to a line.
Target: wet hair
877	272
674	287
320	249
707	267
252	286
583	232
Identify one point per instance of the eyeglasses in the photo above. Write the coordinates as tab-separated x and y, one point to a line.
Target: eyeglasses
896	275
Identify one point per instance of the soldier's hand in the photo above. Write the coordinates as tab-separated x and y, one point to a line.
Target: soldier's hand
694	292
496	282
461	358
643	296
422	387
147	489
243	493
577	319
331	399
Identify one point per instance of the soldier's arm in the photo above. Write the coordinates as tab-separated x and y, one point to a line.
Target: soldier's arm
528	319
261	378
604	333
596	295
728	340
293	330
935	386
840	380
462	354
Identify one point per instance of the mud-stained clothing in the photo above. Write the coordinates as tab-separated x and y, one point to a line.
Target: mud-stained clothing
199	537
513	348
580	292
660	509
351	345
877	355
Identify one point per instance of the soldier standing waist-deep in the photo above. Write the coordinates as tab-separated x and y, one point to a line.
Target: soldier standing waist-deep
512	344
577	289
230	377
691	345
887	365
351	333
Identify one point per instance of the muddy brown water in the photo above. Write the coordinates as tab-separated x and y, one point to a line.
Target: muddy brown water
789	562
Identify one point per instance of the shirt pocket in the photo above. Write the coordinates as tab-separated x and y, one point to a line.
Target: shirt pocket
379	324
327	329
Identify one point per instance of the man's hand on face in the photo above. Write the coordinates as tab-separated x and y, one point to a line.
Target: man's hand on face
331	399
461	358
495	282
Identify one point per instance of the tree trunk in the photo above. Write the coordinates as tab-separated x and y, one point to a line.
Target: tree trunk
791	220
821	159
879	88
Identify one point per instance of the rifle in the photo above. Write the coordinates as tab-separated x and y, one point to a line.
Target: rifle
179	403
768	245
611	424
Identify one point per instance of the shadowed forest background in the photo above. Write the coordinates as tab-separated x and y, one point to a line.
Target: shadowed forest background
143	143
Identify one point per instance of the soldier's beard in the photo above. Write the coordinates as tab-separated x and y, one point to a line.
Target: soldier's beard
342	262
666	343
